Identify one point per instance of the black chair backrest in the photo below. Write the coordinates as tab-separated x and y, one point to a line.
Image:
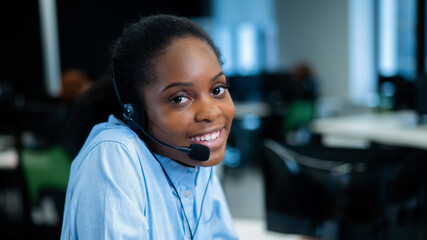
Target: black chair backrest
316	186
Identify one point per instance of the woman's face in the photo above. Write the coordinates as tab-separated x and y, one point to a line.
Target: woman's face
189	102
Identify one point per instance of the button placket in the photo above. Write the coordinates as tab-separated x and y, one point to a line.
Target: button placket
186	190
187	193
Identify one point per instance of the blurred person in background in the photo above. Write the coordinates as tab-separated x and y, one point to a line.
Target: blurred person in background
73	83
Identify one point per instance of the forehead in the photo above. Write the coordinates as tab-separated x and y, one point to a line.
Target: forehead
186	58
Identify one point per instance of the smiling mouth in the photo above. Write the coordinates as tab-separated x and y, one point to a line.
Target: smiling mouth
206	137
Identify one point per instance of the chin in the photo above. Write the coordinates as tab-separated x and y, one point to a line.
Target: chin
215	159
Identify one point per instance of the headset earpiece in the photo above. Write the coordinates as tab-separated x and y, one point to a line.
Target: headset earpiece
128	110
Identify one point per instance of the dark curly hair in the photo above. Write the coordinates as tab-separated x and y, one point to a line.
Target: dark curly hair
134	57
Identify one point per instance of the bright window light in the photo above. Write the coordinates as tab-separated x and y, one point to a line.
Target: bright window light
362	72
247	50
388	37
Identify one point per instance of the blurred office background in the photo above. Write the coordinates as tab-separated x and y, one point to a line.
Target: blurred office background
330	132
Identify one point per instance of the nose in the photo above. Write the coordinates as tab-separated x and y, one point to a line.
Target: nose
208	111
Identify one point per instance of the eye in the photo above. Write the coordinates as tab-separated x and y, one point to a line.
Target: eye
180	99
218	90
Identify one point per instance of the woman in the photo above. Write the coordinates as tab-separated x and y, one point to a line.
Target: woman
125	183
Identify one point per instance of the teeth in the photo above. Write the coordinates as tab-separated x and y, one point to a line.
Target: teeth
207	137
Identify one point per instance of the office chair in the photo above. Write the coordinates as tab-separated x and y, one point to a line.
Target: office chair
329	193
407	208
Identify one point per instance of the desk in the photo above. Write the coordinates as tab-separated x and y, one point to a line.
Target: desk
390	128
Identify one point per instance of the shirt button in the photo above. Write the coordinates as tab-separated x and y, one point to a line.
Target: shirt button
187	193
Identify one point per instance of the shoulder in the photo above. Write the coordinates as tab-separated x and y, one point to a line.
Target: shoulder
106	191
111	160
113	131
111	144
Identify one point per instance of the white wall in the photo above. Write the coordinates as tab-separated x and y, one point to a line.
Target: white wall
316	31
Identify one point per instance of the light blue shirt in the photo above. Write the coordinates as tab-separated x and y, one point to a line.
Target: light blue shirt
118	190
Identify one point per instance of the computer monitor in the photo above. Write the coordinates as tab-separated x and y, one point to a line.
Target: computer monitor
245	88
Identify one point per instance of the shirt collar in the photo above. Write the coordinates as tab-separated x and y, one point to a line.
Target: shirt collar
116	121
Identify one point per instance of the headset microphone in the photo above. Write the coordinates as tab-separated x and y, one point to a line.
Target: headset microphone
196	152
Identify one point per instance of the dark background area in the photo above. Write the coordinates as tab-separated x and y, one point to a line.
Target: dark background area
22	69
79	20
86	30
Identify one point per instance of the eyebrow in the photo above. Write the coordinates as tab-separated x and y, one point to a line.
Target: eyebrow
186	84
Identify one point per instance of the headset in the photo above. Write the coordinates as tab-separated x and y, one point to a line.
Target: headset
196	152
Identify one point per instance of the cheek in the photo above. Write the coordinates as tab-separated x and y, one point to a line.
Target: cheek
228	111
166	124
177	122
